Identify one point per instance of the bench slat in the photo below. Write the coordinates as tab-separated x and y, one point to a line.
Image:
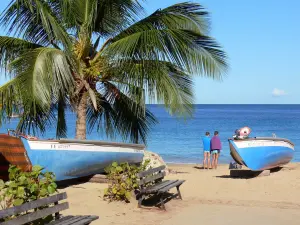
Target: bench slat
150	171
175	184
69	221
36	215
85	220
160	184
75	220
32	205
63	219
152	178
156	188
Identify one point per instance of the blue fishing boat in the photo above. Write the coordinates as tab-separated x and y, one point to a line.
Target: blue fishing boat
67	158
260	153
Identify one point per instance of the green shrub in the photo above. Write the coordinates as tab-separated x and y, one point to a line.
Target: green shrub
24	187
122	180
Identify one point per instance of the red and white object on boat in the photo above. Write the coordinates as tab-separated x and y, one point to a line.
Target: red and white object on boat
243	132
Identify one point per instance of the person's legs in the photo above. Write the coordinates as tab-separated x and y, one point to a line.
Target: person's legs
208	160
204	159
217	158
213	160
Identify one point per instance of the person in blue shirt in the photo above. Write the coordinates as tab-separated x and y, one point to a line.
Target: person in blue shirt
206	150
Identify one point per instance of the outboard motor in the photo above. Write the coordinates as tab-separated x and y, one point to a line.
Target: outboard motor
242	133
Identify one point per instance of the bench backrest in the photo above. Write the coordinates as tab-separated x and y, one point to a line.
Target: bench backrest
32	216
151	175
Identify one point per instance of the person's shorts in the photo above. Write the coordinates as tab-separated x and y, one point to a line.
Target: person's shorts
215	151
206	151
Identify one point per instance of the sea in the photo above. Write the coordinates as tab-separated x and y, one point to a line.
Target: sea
178	140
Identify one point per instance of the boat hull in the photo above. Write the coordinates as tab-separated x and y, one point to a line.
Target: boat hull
70	159
12	152
261	153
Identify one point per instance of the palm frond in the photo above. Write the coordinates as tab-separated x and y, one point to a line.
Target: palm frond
36	21
43	72
176	34
184	16
9	98
104	17
126	117
11	48
41	76
132	120
112	16
35	119
101	118
61	125
191	51
161	81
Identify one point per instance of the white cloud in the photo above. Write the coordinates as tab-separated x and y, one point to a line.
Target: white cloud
278	92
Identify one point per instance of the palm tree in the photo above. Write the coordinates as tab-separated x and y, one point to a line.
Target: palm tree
102	59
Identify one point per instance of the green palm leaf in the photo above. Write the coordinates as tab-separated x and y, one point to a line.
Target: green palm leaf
129	118
42	75
36	21
188	50
162	81
185	16
11	48
61	126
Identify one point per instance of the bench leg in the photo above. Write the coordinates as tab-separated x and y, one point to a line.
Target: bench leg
162	203
141	197
178	191
57	215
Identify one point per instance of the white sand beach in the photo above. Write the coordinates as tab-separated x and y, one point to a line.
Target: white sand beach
209	197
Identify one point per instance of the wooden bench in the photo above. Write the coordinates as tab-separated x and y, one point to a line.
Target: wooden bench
151	183
41	213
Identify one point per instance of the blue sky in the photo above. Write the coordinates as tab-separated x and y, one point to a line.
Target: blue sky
261	39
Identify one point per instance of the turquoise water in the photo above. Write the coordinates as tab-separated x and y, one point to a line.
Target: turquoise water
179	141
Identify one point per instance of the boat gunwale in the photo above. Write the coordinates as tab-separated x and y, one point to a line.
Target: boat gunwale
262	139
91	142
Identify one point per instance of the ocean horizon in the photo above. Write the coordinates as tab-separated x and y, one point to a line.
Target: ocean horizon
179	141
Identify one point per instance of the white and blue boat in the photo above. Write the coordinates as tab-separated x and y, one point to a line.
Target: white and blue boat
261	153
67	158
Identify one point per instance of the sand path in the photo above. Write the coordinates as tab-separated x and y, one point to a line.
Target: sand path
210	197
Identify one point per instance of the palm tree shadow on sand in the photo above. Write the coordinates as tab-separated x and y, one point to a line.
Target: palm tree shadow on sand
248	174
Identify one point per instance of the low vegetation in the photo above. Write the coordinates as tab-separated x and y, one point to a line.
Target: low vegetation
122	180
24	187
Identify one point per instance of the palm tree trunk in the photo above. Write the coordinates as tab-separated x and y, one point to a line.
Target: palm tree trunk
81	116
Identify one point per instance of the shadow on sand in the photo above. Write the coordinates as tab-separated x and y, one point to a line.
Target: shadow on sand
153	202
98	178
249	174
201	168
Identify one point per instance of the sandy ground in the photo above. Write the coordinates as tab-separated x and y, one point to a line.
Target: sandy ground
209	197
